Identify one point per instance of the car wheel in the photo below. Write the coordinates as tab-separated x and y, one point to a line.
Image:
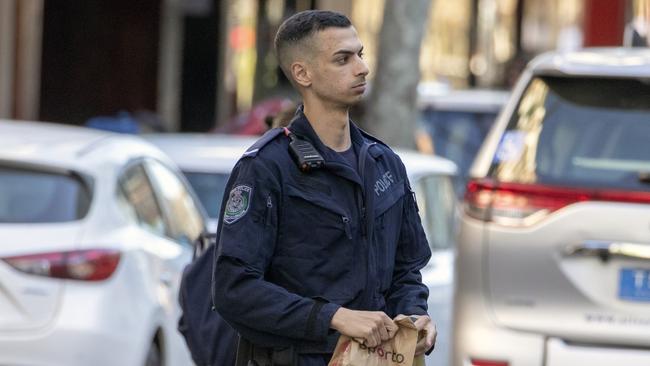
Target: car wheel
154	357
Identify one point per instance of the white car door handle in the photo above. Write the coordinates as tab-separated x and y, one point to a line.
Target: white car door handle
607	249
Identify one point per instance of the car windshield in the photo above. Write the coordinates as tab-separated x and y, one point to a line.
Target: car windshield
457	135
209	187
588	132
34	196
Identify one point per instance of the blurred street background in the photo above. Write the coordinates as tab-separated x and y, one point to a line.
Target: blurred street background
188	75
208	65
192	65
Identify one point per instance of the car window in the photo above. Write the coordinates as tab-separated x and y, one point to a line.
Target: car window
437	203
209	187
185	220
586	132
457	135
126	207
139	194
35	196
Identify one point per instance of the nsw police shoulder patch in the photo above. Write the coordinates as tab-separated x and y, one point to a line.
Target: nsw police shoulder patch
238	203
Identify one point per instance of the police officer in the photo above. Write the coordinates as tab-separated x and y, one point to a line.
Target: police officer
321	234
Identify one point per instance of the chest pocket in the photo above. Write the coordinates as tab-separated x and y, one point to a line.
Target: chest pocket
388	221
315	251
314	221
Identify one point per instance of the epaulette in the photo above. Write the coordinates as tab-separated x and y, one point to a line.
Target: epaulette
372	138
259	144
375	151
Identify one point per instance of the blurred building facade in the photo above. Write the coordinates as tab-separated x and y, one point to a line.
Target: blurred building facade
71	60
191	63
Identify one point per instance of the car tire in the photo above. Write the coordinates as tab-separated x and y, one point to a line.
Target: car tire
154	357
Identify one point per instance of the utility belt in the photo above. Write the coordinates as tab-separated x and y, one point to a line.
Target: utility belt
249	354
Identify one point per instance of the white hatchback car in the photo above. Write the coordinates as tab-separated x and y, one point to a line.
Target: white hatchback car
554	248
95	228
207	161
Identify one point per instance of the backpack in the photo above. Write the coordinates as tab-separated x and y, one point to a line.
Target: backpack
211	341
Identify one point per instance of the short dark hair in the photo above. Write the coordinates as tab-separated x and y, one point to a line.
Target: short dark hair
302	25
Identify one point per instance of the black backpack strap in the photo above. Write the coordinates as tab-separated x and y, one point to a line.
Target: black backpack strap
202	243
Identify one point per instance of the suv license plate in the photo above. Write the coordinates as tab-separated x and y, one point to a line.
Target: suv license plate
634	284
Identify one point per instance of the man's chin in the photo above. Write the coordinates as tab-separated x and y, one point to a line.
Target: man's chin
349	102
355	100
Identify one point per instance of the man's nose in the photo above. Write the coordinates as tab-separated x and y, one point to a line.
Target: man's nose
362	68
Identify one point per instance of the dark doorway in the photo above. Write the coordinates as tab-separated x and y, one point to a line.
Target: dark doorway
99	57
200	59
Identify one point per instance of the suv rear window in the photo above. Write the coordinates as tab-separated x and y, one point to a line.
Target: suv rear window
586	132
33	196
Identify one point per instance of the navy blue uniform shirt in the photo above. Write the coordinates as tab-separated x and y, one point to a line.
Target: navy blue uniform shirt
296	246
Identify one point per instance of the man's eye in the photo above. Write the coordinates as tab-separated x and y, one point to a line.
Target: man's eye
341	60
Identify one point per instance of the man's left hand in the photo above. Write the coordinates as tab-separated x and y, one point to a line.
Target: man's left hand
424	344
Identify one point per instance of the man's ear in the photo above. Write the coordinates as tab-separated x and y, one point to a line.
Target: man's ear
301	74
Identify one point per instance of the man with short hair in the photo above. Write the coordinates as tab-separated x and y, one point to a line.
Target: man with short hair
308	251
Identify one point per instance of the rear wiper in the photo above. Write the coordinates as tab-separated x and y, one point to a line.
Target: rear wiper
644	177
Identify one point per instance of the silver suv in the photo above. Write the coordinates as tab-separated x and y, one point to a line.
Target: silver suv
553	262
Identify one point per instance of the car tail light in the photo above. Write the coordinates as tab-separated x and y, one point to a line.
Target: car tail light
518	204
476	362
85	265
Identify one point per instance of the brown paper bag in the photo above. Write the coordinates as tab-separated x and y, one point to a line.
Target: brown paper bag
398	351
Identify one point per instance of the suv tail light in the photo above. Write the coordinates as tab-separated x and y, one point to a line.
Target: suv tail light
85	265
519	204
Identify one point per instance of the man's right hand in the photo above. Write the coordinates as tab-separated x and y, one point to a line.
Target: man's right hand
373	327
